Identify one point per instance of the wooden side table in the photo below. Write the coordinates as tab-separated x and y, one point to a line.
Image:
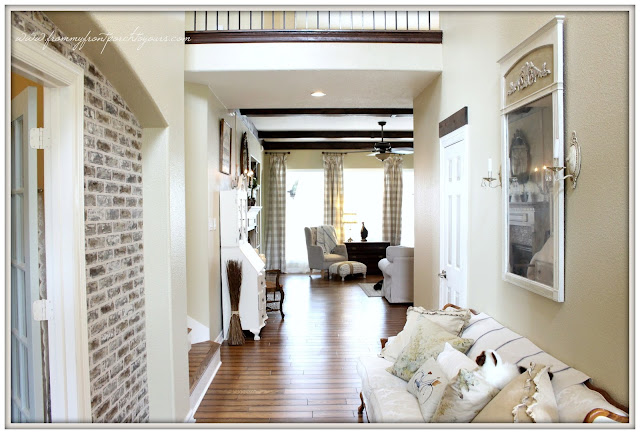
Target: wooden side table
367	252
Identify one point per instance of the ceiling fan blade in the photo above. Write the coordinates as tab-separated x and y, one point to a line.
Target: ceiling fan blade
402	150
373	154
354	152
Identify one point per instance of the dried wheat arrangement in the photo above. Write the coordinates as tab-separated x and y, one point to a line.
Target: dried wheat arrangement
234	278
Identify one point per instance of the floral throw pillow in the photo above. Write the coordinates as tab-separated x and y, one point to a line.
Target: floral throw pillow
428	385
427	341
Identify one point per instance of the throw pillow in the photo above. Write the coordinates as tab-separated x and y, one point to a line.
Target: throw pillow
464	398
451	320
452	360
427	341
428	385
527	398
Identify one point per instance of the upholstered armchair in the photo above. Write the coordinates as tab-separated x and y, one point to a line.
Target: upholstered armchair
318	260
397	270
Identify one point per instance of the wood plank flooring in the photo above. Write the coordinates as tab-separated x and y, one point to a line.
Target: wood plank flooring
304	367
200	356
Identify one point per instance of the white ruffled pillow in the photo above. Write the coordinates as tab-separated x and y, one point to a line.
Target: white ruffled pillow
451	320
452	360
528	398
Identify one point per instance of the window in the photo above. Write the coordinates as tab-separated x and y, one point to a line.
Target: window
363	195
305	208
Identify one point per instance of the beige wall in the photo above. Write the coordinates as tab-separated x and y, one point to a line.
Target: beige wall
590	330
204	181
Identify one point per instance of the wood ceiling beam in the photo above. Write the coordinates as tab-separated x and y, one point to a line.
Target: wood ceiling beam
272	146
271	112
270	36
334	134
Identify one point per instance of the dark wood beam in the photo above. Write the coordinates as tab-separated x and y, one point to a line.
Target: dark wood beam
272	146
271	36
333	134
453	122
270	112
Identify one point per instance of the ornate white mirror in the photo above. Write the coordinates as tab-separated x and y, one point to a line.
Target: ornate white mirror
532	147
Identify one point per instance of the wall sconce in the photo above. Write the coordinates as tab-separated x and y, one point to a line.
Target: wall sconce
573	163
489	180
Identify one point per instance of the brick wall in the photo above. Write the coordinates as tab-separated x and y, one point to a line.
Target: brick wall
113	240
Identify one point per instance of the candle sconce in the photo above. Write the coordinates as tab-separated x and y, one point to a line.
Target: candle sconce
573	164
489	180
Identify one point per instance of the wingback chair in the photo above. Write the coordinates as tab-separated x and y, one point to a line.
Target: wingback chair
318	260
397	269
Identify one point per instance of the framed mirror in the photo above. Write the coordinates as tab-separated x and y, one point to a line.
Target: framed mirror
532	146
244	154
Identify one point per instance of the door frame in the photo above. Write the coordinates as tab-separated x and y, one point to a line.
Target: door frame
459	135
63	83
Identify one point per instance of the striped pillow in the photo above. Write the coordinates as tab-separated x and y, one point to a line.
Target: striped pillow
488	333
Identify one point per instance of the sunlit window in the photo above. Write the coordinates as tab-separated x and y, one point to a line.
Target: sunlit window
363	195
305	207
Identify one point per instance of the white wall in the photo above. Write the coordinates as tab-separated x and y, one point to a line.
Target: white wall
204	181
590	330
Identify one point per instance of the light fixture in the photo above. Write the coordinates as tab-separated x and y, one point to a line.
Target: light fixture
383	156
318	93
573	163
489	179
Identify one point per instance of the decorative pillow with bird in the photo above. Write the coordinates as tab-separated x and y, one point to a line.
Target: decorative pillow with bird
428	385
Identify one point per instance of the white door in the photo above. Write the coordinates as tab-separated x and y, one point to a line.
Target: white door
26	358
454	190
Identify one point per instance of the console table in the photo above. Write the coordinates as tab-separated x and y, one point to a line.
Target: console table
367	252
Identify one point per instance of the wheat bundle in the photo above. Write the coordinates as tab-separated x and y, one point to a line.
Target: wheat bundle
234	278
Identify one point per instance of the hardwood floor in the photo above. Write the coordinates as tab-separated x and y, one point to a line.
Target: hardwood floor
304	367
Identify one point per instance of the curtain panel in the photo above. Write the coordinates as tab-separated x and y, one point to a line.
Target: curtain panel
333	164
392	202
276	212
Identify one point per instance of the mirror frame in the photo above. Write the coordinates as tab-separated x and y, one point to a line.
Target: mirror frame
528	88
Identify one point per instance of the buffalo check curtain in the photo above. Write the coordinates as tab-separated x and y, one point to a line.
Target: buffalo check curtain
334	192
392	202
276	213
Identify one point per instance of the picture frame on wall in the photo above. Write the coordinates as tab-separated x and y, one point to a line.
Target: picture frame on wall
532	89
225	147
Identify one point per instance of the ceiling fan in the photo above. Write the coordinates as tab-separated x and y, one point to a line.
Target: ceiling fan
383	150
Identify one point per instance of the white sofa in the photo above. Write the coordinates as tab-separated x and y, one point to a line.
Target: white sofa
397	270
387	400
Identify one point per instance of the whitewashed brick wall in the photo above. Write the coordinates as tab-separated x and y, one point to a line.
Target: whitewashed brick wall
113	240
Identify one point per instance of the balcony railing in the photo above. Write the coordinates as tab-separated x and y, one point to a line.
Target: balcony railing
313	26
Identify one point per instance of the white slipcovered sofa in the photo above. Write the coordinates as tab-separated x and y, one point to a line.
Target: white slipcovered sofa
387	400
397	270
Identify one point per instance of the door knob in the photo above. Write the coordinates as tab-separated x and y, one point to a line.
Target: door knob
442	274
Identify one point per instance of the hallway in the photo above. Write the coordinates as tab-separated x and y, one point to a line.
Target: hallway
304	367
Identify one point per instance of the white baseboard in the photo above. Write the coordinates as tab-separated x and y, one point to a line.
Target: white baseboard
203	385
199	332
220	338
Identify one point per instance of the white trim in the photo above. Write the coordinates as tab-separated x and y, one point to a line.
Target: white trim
64	182
203	385
219	339
199	332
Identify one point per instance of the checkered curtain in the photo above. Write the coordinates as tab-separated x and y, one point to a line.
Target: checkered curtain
276	212
392	203
334	192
